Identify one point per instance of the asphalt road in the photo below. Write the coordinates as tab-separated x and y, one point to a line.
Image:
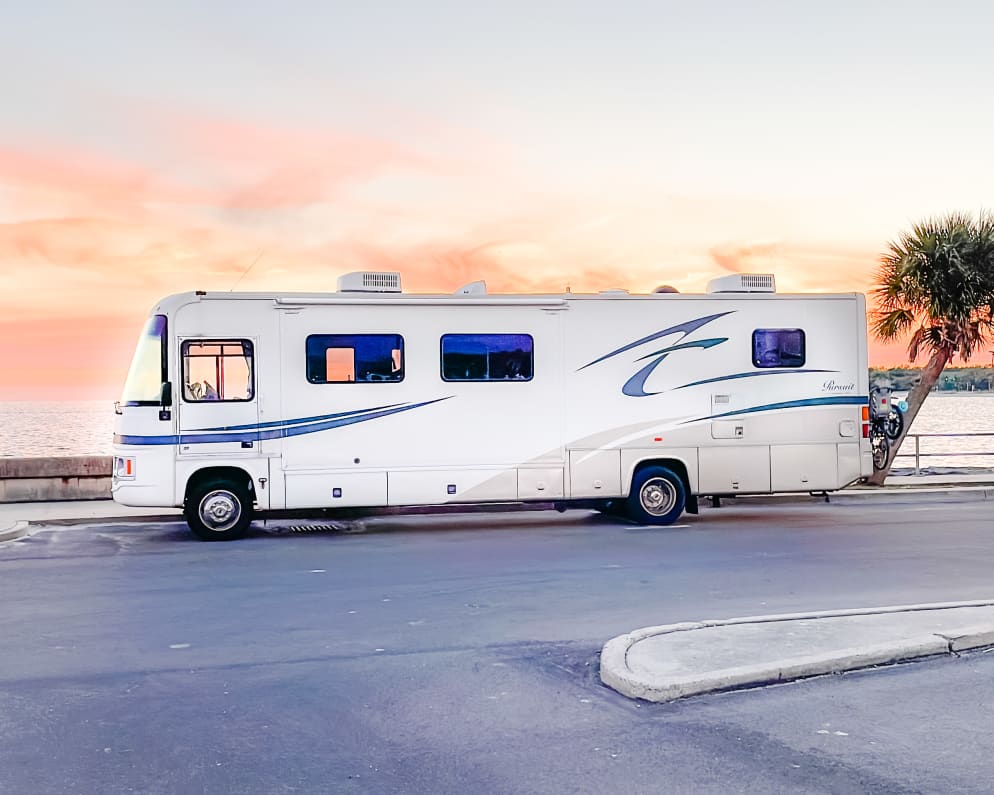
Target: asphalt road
459	654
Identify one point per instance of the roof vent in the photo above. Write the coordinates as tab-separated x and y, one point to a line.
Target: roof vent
473	288
743	283
369	282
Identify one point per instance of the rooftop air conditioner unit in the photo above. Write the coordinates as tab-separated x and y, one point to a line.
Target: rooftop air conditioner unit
369	282
743	283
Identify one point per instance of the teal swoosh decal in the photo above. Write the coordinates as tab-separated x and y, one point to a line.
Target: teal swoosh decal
840	400
751	374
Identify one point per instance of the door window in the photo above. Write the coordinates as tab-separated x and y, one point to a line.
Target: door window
221	370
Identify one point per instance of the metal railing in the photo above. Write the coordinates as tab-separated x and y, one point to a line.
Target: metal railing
918	455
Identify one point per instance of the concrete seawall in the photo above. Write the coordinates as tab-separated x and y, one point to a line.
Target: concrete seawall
85	477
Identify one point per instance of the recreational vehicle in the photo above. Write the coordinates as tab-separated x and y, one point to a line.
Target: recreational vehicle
243	404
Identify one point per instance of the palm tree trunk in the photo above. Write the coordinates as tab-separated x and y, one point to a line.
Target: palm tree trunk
929	377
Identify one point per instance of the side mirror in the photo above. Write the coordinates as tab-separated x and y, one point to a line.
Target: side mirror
166	395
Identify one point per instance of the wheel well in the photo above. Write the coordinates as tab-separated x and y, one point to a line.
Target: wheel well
233	474
673	464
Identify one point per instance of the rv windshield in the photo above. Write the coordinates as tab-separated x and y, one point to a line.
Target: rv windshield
148	367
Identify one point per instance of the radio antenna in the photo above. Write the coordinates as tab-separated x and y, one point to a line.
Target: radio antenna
246	271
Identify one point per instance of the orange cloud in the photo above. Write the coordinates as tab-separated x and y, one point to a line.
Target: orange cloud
800	267
66	357
92	266
101	239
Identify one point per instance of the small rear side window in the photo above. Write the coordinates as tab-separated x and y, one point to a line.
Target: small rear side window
778	347
487	357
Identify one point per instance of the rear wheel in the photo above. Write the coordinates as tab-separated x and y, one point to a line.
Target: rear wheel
658	496
881	448
218	510
894	424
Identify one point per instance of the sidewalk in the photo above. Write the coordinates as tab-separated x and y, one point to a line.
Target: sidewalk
678	660
16	516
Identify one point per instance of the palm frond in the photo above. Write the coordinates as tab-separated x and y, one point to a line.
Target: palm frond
938	276
894	323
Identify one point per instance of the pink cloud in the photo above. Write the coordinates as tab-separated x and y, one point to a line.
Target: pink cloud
225	165
269	167
43	179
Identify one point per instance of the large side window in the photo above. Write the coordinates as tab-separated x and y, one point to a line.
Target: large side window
778	347
487	357
218	370
351	358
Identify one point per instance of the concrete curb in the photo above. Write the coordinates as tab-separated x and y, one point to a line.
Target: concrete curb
166	517
14	531
886	494
937	493
616	674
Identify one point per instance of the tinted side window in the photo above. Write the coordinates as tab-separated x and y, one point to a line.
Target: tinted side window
217	370
778	347
352	358
487	357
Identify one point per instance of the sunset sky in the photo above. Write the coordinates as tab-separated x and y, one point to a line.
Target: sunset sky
148	148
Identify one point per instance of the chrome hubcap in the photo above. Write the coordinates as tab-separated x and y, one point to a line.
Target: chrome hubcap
658	496
220	510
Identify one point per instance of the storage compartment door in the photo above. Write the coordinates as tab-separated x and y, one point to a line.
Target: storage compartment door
732	469
441	486
540	484
804	467
335	489
595	473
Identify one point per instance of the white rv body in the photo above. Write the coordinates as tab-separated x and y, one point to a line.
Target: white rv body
617	382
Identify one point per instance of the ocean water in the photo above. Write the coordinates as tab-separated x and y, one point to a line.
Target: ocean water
77	427
86	428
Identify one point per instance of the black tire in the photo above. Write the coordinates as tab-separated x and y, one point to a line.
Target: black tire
658	496
894	424
613	508
218	509
881	448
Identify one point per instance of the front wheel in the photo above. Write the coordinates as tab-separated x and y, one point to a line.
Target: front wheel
218	510
658	496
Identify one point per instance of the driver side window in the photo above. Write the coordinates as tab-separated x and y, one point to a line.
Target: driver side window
218	370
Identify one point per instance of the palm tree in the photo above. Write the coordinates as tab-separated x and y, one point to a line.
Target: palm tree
936	283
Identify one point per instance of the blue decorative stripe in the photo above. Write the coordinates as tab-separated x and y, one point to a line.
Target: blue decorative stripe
752	374
838	400
300	421
258	434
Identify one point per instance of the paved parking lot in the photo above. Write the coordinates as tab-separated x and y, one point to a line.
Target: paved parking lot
456	653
